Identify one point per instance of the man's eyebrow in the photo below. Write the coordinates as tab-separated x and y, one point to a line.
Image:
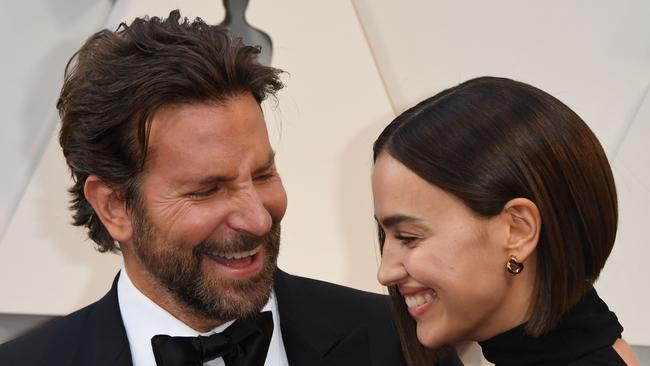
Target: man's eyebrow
213	179
270	161
396	219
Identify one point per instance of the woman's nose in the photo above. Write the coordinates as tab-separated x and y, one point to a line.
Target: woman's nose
391	270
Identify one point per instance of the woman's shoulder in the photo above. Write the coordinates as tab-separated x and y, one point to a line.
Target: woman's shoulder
619	354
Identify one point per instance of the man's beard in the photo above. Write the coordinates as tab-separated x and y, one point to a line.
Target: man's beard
180	271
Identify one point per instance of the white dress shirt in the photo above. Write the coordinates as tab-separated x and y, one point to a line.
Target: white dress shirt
144	319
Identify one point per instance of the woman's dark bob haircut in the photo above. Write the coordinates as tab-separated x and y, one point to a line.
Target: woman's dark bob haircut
489	140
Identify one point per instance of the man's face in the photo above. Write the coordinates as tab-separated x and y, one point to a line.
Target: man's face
207	224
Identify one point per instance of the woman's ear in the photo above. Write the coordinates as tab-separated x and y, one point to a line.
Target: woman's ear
110	207
525	223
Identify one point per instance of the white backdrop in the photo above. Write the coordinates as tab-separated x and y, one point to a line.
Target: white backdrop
352	65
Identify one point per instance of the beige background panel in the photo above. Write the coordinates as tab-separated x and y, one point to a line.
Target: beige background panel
593	55
40	253
38	37
47	265
624	282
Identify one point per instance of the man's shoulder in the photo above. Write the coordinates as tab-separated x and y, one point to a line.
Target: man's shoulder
93	335
350	326
327	305
332	296
55	338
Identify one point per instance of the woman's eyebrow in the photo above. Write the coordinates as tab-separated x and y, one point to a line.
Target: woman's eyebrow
395	219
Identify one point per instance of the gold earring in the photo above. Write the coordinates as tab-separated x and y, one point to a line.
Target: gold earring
514	266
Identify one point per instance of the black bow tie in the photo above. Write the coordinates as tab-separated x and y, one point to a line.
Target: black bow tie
245	342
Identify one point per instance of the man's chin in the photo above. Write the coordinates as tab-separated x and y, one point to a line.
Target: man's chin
229	292
232	299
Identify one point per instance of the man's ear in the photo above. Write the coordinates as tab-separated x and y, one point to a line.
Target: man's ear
525	223
110	207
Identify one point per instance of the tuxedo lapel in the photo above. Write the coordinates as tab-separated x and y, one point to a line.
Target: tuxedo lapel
351	350
309	337
101	335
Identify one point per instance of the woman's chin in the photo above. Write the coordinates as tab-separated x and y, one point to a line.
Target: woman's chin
437	337
430	339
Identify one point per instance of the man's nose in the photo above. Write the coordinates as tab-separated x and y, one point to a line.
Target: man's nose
391	270
249	215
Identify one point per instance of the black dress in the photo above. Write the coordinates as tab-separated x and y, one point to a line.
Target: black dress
583	337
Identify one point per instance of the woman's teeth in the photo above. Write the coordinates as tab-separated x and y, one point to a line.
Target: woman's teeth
417	300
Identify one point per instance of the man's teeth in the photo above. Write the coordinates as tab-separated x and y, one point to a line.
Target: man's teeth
417	300
237	255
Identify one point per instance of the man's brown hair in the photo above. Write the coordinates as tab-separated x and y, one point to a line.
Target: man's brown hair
118	80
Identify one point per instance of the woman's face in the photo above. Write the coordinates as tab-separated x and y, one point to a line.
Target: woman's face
448	263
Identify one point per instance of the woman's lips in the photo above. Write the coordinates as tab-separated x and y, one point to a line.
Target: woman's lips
418	299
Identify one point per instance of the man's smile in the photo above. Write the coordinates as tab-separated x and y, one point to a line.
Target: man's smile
239	265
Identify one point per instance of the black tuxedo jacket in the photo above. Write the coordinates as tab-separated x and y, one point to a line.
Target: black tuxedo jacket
321	323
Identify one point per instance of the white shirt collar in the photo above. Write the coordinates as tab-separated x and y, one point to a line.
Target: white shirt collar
143	319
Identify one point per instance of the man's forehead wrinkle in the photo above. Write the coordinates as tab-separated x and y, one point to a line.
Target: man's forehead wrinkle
223	170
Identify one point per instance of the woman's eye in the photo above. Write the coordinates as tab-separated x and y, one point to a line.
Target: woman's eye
405	239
